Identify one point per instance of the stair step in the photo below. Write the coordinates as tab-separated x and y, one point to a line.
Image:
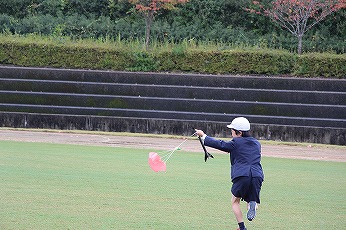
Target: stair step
175	104
172	115
231	81
170	91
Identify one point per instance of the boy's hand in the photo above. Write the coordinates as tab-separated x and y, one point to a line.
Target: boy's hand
199	132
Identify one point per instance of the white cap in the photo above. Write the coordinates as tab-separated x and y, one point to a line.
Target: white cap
240	123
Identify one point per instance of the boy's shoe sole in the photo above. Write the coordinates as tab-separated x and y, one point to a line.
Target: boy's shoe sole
251	213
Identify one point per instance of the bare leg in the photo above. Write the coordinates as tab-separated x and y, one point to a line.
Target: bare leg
236	209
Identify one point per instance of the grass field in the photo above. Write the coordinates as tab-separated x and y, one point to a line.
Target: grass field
51	186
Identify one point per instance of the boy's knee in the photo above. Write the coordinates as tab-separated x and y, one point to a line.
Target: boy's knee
235	200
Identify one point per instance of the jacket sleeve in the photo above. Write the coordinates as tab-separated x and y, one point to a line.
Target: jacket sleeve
226	146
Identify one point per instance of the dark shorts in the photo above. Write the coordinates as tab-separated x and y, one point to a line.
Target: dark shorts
247	188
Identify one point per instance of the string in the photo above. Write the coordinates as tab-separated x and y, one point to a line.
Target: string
169	153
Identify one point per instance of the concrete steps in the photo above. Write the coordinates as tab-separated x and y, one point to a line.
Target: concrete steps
175	91
177	100
196	106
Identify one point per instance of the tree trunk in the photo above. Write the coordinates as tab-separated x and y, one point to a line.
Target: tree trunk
300	43
148	21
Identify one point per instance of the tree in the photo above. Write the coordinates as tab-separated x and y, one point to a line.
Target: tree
148	8
298	16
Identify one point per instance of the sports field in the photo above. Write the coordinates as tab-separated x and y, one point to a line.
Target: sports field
63	186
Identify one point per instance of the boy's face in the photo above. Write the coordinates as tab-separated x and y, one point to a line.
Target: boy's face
234	133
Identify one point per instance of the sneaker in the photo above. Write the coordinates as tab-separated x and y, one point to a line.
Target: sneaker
251	213
243	229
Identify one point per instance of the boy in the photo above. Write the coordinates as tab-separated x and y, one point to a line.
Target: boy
246	169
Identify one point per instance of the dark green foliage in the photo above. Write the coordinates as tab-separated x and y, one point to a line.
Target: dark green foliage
201	20
198	22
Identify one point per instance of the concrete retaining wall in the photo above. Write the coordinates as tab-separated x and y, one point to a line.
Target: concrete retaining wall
162	126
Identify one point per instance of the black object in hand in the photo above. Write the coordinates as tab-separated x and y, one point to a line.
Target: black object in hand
206	154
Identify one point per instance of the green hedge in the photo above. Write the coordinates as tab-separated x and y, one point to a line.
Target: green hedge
62	56
270	62
245	62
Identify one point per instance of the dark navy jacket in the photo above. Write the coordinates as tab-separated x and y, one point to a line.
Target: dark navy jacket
245	155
